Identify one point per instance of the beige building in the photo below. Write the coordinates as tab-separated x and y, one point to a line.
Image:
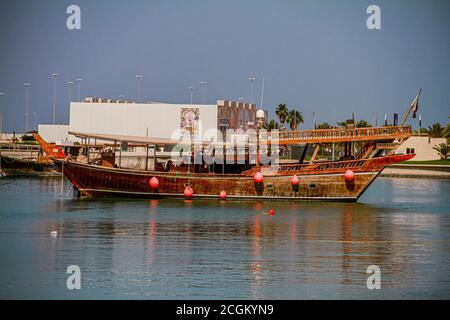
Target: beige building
422	146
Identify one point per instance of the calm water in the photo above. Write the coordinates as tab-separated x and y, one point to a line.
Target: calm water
211	250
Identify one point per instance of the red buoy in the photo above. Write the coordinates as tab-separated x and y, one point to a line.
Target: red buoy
259	177
223	195
349	175
271	212
154	183
295	181
188	192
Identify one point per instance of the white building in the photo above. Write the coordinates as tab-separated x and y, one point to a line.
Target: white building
422	146
151	119
159	120
58	134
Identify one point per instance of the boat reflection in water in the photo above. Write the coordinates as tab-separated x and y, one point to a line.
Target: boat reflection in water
159	249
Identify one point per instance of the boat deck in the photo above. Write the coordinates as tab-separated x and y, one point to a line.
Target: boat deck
296	137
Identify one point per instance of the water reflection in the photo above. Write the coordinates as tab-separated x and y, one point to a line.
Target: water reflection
224	249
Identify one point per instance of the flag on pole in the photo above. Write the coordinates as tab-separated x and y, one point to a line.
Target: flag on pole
415	106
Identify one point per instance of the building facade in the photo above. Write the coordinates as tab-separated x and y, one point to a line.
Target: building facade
160	120
422	146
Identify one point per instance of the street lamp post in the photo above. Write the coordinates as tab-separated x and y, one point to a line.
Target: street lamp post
139	79
252	80
34	121
55	76
314	121
69	84
27	86
79	88
191	89
203	84
260	115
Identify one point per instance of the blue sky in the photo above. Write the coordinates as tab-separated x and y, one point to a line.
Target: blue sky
316	56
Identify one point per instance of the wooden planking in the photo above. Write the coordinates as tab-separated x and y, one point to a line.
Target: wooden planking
87	179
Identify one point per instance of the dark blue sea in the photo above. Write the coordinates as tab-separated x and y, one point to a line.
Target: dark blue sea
203	249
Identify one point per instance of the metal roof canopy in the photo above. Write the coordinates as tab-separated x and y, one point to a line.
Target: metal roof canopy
123	138
150	140
298	137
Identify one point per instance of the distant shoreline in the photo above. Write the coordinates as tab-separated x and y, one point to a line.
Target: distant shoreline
417	171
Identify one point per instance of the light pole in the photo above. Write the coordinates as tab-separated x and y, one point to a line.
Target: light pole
252	80
260	115
27	86
314	121
139	79
420	123
191	89
1	116
203	84
55	76
69	84
34	121
79	88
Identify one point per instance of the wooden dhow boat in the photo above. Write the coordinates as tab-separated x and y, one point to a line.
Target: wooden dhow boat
358	155
336	164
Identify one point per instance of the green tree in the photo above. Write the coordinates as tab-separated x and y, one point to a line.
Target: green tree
324	125
27	138
443	149
273	125
294	118
435	130
363	124
446	131
342	124
282	112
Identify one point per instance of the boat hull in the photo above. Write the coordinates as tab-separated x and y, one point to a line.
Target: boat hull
329	185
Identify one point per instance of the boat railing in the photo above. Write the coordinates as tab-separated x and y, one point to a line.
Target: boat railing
338	134
310	166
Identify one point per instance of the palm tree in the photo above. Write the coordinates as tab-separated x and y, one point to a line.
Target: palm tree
282	112
446	132
443	149
324	125
435	130
273	125
294	118
342	124
363	124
